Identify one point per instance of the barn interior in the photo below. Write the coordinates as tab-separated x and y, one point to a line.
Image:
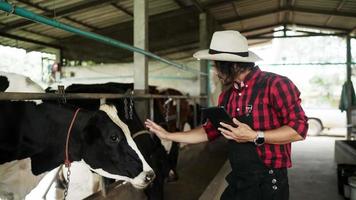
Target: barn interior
151	43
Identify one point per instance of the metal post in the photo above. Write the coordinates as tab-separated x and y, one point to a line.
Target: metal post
195	113
348	79
102	101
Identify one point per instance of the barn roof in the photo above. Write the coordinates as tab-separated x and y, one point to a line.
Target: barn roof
173	24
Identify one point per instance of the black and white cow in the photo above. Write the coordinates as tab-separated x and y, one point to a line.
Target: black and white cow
149	145
103	157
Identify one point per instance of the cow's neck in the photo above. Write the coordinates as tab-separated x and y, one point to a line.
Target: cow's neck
53	154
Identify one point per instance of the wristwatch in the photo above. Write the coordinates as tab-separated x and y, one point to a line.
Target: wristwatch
260	139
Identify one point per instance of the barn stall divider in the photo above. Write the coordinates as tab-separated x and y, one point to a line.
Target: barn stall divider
18	96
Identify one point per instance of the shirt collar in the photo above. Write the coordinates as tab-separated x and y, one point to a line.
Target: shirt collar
249	79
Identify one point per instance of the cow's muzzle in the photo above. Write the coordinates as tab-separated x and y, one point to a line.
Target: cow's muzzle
150	176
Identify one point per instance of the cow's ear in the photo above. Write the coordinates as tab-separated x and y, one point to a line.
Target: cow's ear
91	130
4	83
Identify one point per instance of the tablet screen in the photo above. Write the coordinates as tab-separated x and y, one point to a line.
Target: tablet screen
217	115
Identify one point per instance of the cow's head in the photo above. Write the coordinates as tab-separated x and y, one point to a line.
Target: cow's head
110	151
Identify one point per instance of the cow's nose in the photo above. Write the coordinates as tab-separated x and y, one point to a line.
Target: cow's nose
150	176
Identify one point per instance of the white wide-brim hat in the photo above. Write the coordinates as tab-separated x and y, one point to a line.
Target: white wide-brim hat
227	46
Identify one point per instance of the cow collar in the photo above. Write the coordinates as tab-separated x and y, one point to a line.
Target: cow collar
66	159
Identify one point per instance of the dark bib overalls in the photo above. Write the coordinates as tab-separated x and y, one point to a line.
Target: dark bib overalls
250	179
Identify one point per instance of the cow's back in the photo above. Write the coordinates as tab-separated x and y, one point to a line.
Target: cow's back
21	128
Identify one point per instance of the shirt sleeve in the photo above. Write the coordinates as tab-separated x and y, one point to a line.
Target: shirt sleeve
286	101
211	132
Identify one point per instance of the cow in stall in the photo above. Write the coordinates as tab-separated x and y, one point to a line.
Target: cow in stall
148	144
99	138
166	116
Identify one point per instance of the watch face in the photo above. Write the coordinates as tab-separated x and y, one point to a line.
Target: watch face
260	140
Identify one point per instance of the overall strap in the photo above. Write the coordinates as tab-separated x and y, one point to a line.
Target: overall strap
260	84
226	97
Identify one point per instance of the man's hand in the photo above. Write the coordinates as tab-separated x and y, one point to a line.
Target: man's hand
156	129
242	132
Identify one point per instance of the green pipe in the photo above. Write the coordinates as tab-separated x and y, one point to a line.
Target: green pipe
279	64
106	40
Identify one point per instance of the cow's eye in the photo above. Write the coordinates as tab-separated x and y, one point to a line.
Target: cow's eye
115	138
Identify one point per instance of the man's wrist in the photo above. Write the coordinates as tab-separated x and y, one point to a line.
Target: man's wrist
254	136
260	138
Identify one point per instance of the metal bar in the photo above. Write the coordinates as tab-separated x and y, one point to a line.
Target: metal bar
295	36
195	113
178	115
277	64
349	93
103	39
32	96
152	111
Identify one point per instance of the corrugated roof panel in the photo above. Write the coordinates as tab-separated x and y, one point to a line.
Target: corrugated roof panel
74	24
48	30
98	19
126	4
4	18
91	13
328	5
224	11
104	20
160	6
260	21
345	21
248	7
57	33
110	22
307	18
56	4
349	6
39	37
233	26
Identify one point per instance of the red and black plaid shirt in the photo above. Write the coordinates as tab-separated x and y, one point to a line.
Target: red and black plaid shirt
279	105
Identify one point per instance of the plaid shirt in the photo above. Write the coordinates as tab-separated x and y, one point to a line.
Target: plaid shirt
279	105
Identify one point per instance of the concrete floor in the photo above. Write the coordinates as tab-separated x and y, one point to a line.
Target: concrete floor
313	175
197	166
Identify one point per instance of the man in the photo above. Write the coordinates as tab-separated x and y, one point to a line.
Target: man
267	117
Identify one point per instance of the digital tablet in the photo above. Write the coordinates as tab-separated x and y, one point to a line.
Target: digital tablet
217	115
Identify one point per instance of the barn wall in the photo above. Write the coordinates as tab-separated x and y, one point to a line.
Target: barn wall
159	74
